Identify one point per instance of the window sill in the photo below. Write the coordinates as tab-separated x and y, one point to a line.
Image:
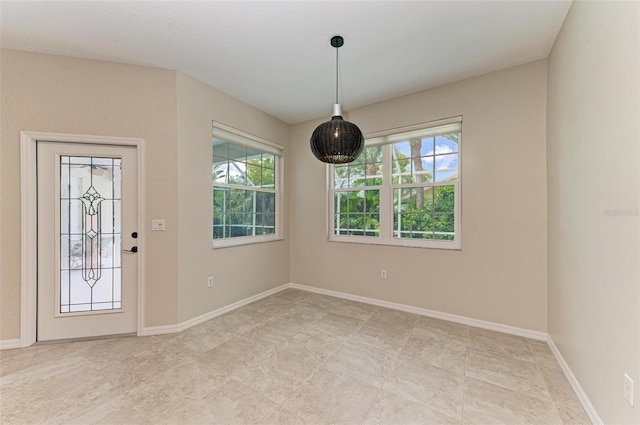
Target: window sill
244	240
407	243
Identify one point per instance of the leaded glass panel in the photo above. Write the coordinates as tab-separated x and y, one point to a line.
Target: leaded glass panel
90	234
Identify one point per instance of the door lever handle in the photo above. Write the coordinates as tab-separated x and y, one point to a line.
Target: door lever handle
133	250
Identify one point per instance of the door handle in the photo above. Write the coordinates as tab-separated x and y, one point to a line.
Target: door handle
133	250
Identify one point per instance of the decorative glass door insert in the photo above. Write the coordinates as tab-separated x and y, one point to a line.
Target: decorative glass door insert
90	234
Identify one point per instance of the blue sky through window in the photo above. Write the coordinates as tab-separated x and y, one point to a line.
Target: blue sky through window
439	154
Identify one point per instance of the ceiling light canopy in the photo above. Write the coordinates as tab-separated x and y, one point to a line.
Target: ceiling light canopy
337	141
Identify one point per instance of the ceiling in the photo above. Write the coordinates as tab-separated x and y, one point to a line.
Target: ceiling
276	56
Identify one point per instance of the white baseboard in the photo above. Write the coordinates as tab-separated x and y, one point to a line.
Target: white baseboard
575	385
430	313
167	329
582	397
7	344
159	330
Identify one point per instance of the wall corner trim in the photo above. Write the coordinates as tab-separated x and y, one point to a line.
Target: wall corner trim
575	385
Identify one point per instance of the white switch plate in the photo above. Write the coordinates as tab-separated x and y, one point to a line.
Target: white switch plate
628	389
157	225
210	281
383	274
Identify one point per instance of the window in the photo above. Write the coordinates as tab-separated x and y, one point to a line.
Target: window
404	189
246	188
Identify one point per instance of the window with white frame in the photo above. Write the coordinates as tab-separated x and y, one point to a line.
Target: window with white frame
404	189
246	188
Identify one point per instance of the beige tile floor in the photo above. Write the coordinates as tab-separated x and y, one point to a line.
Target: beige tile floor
293	358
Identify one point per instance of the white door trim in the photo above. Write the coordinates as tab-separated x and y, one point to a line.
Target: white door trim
28	230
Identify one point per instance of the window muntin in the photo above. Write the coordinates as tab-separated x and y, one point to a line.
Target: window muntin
357	212
403	190
246	195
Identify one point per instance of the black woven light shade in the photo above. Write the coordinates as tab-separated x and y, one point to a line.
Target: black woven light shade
337	141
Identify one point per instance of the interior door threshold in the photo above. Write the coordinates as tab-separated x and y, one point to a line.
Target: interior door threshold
88	338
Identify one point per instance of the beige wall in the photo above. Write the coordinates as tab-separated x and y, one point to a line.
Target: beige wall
173	113
60	94
593	160
500	273
65	95
588	169
239	272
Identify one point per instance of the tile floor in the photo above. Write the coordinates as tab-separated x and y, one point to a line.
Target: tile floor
293	358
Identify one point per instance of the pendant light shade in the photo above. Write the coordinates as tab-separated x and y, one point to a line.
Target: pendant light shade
337	141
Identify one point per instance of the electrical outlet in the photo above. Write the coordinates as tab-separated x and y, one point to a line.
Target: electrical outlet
628	389
210	282
383	274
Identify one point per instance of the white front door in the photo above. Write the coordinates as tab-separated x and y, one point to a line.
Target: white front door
87	218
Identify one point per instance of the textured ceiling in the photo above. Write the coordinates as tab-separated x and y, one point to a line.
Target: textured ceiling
276	56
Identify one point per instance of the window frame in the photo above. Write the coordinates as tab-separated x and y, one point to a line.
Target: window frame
241	138
386	139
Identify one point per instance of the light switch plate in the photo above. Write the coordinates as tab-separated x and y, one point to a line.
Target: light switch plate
157	225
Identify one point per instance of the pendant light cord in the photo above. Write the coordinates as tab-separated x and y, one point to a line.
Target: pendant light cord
337	67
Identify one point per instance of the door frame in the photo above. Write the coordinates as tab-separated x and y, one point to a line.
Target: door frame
29	223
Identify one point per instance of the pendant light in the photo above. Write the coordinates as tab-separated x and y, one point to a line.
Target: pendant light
337	141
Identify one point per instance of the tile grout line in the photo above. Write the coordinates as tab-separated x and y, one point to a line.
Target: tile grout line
273	317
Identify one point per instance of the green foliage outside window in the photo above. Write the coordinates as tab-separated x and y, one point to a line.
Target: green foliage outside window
244	196
433	221
423	202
